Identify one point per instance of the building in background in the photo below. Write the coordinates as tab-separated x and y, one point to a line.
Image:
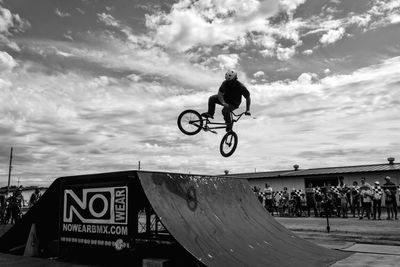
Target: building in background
300	178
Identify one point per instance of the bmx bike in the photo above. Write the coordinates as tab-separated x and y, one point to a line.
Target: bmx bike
190	122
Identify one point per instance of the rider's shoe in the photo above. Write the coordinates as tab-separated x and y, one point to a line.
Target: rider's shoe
206	115
229	127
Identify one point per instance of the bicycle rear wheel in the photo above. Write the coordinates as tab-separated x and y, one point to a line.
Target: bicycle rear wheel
190	122
228	144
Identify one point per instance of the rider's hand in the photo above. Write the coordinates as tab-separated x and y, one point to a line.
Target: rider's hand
247	113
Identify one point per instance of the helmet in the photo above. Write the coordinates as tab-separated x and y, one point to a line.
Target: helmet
230	75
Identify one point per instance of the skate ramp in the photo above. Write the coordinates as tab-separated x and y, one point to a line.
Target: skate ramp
221	223
45	213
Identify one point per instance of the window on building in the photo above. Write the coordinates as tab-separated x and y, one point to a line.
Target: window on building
321	181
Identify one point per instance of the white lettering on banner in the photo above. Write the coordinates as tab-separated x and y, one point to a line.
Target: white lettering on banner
105	206
95	229
111	208
120	205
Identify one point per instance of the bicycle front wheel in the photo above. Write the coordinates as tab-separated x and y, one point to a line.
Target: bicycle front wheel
190	122
228	144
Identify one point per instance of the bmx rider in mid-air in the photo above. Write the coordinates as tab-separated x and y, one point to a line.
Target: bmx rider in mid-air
229	96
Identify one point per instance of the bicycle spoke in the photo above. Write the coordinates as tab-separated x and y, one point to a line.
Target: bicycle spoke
189	122
228	144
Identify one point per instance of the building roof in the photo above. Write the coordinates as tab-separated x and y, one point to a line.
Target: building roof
320	171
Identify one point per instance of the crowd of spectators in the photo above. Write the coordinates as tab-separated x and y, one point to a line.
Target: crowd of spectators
357	200
11	207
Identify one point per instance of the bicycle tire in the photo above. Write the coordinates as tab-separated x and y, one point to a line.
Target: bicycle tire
190	122
228	144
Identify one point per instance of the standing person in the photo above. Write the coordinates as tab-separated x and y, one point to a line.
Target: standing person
342	199
303	204
310	198
389	204
17	202
329	200
392	188
268	198
343	202
284	201
229	96
295	202
341	182
34	197
8	211
327	203
355	199
366	195
318	201
377	201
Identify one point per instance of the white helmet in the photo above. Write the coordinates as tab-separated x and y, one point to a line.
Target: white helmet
230	75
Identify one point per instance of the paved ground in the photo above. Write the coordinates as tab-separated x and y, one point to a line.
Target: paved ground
371	255
384	232
375	243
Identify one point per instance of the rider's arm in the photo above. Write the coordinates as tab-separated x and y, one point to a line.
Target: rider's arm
246	94
248	102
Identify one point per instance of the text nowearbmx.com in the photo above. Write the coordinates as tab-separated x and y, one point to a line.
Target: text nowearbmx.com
96	229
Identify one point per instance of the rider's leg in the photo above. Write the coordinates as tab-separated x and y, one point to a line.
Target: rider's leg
211	106
226	112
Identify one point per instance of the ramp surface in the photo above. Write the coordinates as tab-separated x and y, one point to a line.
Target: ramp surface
220	222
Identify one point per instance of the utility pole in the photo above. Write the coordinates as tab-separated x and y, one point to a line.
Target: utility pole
139	165
9	171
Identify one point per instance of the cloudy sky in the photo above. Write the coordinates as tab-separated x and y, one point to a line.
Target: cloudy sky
89	86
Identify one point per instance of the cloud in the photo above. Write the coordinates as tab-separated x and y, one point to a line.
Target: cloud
61	14
209	23
332	36
394	18
258	74
8	20
10	23
133	77
228	61
290	5
111	97
312	111
80	10
243	24
284	53
307	78
121	55
7	62
95	117
108	19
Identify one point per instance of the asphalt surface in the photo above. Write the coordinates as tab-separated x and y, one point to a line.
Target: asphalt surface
382	232
371	241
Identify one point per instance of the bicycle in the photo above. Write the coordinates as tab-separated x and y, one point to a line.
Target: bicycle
190	122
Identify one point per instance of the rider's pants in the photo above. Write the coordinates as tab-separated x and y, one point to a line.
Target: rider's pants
226	112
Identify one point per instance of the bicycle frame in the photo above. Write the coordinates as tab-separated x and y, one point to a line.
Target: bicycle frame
207	128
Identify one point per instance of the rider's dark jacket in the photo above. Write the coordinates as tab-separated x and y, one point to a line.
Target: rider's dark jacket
233	92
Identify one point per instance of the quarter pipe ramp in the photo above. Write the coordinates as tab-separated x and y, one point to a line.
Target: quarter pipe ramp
221	223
